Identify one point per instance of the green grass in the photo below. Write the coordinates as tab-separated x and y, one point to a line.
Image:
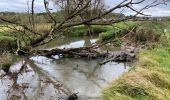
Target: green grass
117	30
82	30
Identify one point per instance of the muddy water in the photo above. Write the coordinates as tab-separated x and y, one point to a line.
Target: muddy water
56	78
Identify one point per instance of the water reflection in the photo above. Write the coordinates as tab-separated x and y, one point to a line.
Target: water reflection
81	75
70	42
30	84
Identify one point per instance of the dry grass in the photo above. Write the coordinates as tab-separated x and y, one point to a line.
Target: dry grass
140	84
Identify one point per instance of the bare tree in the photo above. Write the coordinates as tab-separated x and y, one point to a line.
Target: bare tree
88	12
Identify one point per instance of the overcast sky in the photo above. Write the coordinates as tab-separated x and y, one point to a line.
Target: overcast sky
21	6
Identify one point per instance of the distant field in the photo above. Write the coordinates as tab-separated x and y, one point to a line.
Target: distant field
39	27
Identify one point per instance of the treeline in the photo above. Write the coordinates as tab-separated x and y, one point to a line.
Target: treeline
153	18
43	18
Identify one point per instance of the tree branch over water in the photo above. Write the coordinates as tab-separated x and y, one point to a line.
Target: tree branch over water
75	13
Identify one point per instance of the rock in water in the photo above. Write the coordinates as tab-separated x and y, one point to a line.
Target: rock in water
73	96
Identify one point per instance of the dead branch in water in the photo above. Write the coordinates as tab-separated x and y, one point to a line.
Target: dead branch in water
122	56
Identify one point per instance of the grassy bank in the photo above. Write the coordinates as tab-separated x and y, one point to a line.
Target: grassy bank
83	31
117	30
149	78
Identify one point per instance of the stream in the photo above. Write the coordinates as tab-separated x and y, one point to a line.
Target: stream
55	78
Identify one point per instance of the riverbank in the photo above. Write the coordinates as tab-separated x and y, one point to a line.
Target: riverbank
11	39
149	78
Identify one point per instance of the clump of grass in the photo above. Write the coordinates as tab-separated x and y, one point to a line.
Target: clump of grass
159	79
140	84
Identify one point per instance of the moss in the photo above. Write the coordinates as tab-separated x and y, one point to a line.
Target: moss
7	43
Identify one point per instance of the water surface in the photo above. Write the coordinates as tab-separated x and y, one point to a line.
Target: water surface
54	78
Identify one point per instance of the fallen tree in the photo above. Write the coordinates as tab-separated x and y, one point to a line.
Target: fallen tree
37	39
76	12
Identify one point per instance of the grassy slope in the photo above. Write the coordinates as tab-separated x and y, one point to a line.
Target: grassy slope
149	79
117	30
82	30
